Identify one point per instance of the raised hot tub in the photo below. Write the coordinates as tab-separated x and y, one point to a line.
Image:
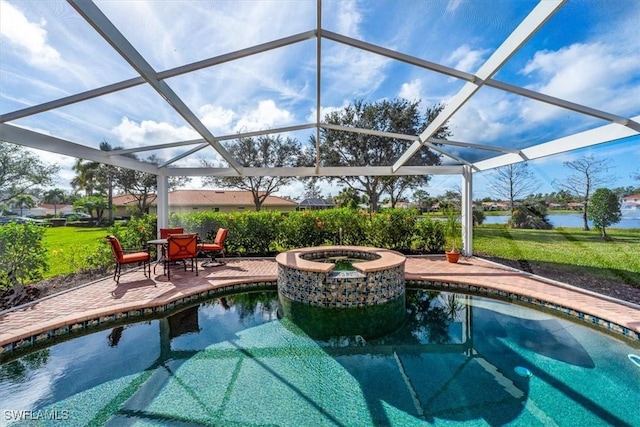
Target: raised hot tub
365	300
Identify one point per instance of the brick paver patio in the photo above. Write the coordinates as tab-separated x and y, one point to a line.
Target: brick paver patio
135	292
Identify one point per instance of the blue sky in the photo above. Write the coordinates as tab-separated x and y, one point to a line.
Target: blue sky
589	53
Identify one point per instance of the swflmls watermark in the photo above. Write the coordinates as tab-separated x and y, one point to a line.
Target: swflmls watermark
10	415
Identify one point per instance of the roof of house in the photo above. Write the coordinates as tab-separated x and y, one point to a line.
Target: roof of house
208	197
315	202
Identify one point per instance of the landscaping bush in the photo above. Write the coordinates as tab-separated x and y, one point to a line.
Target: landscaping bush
253	233
268	232
392	229
345	226
23	258
136	232
429	236
302	229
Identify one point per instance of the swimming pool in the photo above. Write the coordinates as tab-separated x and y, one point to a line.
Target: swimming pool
456	360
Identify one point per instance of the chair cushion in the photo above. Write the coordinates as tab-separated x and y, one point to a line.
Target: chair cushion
135	257
209	247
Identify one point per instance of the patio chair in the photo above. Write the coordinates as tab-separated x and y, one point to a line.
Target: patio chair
217	247
164	232
128	256
181	247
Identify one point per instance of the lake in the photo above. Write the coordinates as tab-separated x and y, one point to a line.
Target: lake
567	220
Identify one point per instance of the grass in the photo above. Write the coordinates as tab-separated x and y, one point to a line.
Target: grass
67	246
617	258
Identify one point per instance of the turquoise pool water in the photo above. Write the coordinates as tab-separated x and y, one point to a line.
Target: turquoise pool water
456	360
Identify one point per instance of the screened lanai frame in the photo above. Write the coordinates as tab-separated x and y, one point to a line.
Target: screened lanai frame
14	129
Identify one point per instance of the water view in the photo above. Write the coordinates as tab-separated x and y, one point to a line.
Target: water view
567	220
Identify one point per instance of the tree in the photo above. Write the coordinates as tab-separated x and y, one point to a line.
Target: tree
21	170
349	198
265	151
54	196
342	148
142	186
423	199
86	176
513	182
604	209
22	201
452	199
92	204
530	215
589	174
311	189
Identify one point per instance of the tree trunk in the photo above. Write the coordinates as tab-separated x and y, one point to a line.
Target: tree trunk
585	223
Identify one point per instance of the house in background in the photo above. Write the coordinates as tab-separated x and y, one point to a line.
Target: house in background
313	204
184	201
630	206
44	210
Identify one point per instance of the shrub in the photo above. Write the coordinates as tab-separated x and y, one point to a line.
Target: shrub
345	226
23	258
478	216
253	233
306	228
392	229
429	236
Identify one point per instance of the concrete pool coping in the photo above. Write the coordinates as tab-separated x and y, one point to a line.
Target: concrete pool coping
102	303
296	258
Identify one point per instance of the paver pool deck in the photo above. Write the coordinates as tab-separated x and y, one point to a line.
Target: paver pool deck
135	292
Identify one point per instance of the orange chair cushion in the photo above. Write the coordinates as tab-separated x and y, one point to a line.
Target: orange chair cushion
135	257
209	247
164	232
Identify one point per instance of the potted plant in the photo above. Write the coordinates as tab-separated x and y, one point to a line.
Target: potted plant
452	231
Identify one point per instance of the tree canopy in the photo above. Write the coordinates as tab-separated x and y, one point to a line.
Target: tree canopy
604	209
21	170
344	148
265	151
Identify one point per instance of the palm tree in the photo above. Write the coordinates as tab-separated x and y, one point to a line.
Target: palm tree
23	201
54	196
85	179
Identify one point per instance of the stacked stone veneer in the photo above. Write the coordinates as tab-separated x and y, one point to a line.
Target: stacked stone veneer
378	279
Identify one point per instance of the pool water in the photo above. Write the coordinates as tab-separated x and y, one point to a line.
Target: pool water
456	360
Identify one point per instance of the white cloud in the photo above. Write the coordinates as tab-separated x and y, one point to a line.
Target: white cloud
466	59
411	91
482	122
348	18
267	115
219	120
593	74
31	36
324	111
149	132
452	5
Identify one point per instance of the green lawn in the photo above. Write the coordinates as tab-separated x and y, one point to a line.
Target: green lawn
617	258
67	246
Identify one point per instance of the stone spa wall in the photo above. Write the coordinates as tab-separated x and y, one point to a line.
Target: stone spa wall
377	279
